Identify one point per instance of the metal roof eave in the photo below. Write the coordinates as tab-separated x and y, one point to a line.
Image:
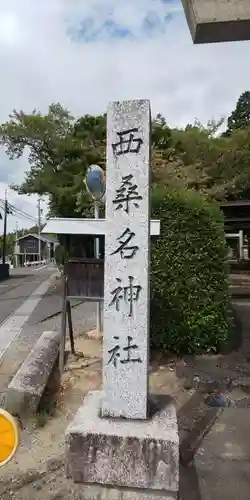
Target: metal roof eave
86	226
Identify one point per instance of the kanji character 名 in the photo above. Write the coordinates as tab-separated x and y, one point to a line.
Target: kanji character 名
126	251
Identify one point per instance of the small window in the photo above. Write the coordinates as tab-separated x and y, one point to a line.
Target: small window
30	244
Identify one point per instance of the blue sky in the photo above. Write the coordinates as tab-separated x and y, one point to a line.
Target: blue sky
85	53
107	23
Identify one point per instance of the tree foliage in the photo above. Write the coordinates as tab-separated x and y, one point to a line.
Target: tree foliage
240	117
60	147
201	160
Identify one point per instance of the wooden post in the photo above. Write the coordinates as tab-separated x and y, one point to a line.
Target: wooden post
63	327
70	324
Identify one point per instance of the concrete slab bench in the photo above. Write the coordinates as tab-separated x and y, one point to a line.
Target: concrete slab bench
28	385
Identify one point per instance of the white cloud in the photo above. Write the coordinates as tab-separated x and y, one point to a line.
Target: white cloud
41	63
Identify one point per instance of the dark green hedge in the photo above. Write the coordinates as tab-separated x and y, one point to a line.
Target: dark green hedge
189	291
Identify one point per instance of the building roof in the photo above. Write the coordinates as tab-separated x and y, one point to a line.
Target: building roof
44	237
50	238
87	226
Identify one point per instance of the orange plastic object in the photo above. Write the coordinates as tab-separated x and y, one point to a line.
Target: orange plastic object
9	437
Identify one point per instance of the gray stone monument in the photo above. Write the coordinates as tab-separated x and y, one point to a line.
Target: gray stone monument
122	441
126	292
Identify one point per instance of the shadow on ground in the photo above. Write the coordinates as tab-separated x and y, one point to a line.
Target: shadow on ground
208	432
189	483
194	421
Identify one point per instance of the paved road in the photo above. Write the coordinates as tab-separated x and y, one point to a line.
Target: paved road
20	297
22	283
27	308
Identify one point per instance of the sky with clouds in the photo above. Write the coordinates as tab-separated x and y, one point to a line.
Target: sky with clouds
85	53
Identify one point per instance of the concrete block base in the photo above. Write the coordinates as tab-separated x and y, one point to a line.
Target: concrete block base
101	492
131	459
213	21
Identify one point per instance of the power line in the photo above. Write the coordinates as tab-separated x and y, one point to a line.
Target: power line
17	211
18	215
21	212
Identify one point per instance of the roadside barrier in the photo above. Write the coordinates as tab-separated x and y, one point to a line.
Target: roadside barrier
37	263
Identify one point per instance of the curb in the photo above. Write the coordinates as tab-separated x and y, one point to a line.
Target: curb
28	385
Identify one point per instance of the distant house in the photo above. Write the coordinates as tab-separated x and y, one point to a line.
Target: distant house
27	248
237	228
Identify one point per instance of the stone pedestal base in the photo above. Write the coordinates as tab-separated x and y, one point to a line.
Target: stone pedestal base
128	459
98	492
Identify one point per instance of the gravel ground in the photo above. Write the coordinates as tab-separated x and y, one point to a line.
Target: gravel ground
38	471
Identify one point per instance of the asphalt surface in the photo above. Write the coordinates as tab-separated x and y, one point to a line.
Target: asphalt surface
22	283
26	311
20	299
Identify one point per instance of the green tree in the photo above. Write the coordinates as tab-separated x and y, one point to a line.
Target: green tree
60	148
199	159
236	161
10	243
240	117
238	154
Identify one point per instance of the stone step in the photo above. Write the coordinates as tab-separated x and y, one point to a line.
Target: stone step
239	281
239	291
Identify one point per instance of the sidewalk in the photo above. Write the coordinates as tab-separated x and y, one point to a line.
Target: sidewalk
221	466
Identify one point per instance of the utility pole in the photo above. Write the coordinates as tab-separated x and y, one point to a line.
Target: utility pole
39	228
5	227
97	256
16	257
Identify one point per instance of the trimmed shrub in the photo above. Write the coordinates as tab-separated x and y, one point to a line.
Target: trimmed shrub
189	290
60	255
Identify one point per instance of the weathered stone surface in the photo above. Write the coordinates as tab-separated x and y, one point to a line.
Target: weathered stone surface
218	20
241	381
119	452
100	492
27	387
218	400
127	257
